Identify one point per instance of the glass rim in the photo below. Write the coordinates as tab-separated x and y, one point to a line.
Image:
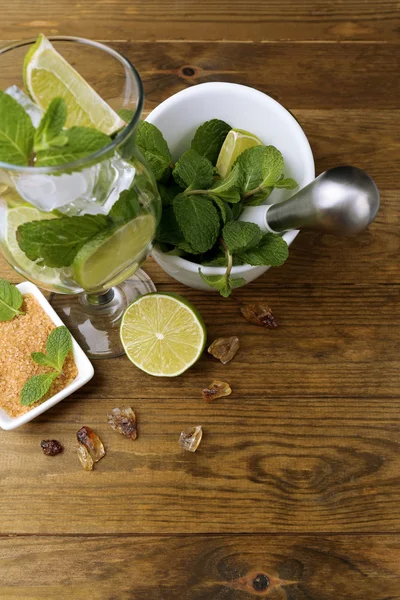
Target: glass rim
119	138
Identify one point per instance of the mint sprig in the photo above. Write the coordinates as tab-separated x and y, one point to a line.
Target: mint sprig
209	138
198	220
10	301
51	125
58	346
16	132
154	148
193	171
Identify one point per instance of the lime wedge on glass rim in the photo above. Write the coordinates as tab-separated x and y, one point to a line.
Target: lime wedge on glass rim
48	75
16	217
109	254
236	142
163	334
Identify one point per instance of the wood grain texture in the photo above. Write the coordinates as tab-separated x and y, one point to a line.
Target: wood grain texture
297	476
201	567
207	20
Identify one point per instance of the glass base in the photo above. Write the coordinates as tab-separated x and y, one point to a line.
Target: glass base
94	320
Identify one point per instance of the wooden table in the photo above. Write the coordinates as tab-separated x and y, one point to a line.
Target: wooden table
298	474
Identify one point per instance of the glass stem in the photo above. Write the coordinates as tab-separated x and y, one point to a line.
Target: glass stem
100	299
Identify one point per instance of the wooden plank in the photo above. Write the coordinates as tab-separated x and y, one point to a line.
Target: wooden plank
300	76
266	464
201	568
207	20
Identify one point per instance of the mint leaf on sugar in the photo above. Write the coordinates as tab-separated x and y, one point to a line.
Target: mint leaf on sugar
43	360
260	167
223	283
193	171
286	182
57	241
209	138
81	142
16	132
10	301
58	346
168	231
154	148
126	208
272	250
198	219
51	126
239	235
36	387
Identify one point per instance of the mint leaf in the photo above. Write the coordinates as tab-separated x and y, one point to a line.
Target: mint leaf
10	301
232	196
81	142
126	208
36	387
58	346
209	138
168	193
193	171
126	114
224	209
168	231
51	125
223	283
260	167
187	248
240	234
232	180
272	250
259	197
16	132
218	261
154	148
56	241
43	360
286	182
198	219
237	210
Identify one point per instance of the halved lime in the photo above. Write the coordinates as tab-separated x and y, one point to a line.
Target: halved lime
236	142
163	334
14	218
48	75
108	254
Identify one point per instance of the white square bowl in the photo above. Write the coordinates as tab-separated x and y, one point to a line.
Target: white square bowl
84	366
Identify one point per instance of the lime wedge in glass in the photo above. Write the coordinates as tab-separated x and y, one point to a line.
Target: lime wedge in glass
48	75
19	260
110	253
163	334
236	142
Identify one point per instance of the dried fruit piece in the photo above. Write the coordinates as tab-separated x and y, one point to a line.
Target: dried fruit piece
260	314
92	442
85	458
123	420
190	438
224	348
217	389
51	447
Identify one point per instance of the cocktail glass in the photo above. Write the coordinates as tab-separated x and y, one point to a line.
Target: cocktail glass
90	297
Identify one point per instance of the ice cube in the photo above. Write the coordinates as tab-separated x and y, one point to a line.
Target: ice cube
30	107
48	192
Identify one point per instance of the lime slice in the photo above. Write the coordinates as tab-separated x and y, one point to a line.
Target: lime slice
19	260
236	142
162	334
108	255
48	75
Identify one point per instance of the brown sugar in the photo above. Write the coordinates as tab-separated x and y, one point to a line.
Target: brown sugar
18	339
